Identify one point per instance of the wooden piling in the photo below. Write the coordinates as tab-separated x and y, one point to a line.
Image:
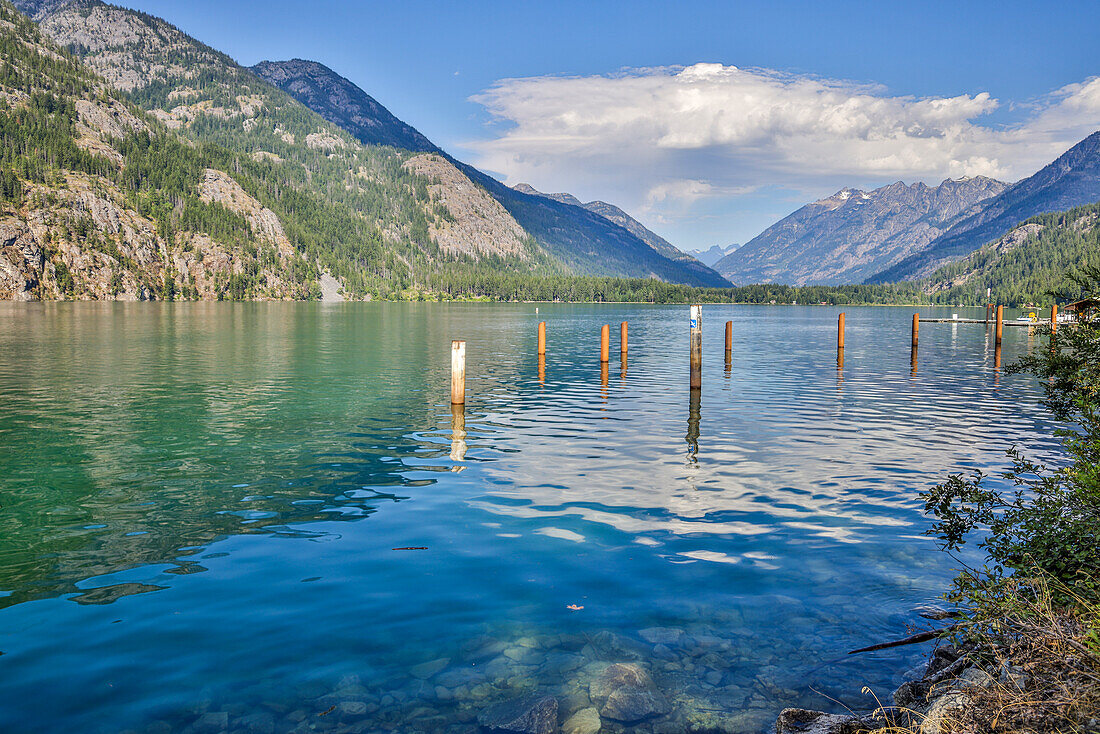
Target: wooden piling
1054	318
605	339
916	329
1000	324
696	341
840	331
458	372
542	337
622	338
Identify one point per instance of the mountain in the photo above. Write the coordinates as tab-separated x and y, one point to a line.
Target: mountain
583	240
614	214
713	254
317	86
1025	264
378	220
1071	180
113	206
371	220
854	234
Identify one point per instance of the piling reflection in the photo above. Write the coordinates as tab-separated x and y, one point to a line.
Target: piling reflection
542	369
622	365
603	381
692	437
458	432
913	360
839	369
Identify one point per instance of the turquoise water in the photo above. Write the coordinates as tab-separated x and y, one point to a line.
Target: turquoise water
201	506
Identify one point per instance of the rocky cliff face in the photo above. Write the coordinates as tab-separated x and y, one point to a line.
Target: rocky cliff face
1073	179
81	239
853	234
476	223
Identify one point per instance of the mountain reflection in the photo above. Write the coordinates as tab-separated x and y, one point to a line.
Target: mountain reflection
139	434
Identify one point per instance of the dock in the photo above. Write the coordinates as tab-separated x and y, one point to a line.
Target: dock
1037	322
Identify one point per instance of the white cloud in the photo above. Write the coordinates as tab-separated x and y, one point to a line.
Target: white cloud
661	139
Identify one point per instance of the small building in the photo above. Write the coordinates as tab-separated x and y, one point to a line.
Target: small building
1086	308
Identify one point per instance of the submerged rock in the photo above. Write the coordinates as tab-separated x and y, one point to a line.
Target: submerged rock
624	692
213	722
804	721
532	714
585	721
662	635
430	668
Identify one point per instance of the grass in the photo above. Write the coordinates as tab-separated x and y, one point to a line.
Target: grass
1039	643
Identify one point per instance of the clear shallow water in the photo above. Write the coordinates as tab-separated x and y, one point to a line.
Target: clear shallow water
201	502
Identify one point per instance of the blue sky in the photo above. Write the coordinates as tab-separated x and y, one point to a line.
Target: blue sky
708	121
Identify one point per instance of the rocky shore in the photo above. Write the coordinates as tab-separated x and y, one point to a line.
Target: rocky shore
928	704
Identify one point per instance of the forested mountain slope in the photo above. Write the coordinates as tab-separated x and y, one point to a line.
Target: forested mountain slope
100	201
1073	179
1026	264
318	87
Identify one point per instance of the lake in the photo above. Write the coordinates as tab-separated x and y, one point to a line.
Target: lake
266	517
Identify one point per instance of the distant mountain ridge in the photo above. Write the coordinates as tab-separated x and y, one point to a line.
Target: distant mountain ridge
619	217
1073	179
713	254
854	234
